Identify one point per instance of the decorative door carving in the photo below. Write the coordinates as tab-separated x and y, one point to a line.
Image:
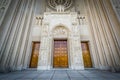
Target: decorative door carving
60	57
86	55
34	56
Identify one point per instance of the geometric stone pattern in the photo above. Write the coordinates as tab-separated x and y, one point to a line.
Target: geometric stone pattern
60	75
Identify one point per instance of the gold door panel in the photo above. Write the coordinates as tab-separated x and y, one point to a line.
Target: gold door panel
86	55
60	57
34	56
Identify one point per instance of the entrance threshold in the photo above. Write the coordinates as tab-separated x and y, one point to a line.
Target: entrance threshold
61	69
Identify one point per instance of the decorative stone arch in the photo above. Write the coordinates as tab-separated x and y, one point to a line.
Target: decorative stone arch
60	31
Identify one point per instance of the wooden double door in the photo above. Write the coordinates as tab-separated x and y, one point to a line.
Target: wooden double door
60	57
86	55
35	54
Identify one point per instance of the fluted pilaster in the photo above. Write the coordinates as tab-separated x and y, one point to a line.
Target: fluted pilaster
104	35
14	49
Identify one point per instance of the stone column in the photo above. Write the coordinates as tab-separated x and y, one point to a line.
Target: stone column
24	55
77	59
105	39
16	40
76	52
114	38
6	42
97	35
17	48
44	54
16	32
50	54
28	45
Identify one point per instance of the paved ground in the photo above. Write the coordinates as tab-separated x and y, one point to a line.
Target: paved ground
60	75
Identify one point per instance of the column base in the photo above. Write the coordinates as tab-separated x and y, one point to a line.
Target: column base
19	68
3	70
115	69
104	68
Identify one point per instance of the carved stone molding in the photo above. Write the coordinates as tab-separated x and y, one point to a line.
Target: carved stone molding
60	31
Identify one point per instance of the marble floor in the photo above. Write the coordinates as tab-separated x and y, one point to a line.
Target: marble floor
60	75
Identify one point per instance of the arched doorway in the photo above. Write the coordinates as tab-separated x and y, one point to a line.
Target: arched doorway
60	50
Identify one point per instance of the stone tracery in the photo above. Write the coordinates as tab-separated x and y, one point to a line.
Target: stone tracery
54	3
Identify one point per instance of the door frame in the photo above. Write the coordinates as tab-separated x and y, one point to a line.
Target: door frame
52	55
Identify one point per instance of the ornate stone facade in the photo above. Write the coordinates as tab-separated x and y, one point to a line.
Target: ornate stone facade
58	25
25	21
